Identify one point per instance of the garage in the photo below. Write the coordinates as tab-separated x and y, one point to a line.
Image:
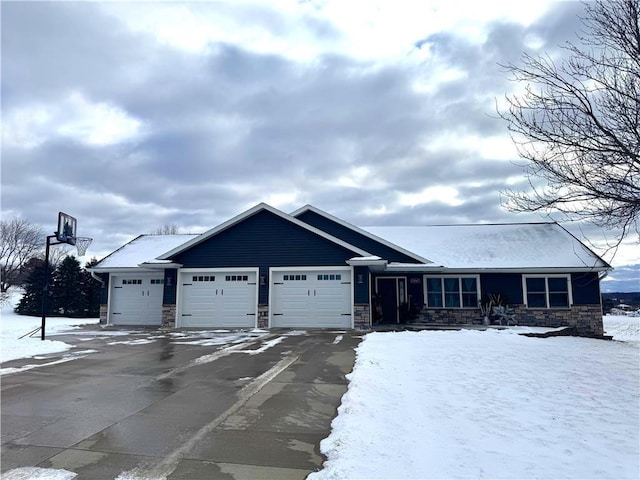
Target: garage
311	298
136	299
217	298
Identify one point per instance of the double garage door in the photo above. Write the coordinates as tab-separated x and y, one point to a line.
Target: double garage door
311	298
217	298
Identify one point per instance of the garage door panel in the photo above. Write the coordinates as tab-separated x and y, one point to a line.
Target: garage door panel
218	299
136	299
320	298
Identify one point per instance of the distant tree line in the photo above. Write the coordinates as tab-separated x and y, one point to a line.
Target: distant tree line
72	291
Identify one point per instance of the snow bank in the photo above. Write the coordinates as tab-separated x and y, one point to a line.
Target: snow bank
13	326
35	473
493	404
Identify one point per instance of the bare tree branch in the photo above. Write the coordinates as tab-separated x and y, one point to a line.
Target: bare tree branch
20	240
167	229
577	124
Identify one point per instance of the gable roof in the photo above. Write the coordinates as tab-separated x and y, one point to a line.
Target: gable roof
528	246
142	249
359	231
248	213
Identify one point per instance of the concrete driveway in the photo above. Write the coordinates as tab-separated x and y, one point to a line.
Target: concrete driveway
178	405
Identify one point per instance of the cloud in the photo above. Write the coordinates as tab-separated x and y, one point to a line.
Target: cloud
134	115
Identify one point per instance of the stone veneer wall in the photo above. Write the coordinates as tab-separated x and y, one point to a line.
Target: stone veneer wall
168	315
361	316
103	314
263	316
586	318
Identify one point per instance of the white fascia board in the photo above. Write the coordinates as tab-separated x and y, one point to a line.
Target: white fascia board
366	261
117	270
360	231
526	270
248	213
414	267
160	265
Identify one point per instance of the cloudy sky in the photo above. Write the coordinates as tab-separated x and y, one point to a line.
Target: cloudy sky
131	116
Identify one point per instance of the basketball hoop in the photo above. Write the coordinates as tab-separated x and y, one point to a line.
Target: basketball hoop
82	243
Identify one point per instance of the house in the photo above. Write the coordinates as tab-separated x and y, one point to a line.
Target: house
265	268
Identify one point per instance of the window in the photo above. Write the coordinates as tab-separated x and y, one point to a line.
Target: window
451	292
236	278
157	281
547	291
288	278
132	282
203	278
324	276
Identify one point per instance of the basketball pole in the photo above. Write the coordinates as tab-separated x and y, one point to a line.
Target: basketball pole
45	286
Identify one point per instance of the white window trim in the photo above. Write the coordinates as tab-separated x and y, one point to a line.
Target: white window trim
459	277
546	287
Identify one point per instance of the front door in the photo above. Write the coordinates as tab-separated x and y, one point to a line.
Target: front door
391	294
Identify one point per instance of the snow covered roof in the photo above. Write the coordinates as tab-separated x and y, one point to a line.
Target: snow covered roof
495	246
142	249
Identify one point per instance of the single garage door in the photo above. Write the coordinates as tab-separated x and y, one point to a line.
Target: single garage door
136	299
215	298
313	298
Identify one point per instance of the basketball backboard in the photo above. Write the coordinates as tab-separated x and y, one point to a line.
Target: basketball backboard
67	225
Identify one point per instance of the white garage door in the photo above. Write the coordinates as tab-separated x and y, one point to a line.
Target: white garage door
313	298
217	298
136	299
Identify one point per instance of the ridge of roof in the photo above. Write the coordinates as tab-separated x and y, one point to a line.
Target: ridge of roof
372	236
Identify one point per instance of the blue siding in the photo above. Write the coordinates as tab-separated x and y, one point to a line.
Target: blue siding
170	282
264	240
104	288
354	238
361	289
586	288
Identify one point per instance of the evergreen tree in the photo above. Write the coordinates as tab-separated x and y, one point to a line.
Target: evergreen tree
67	291
91	291
31	301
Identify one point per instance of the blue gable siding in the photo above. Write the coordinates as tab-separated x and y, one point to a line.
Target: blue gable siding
264	240
354	238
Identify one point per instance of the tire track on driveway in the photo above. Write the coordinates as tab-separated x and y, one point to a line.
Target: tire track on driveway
170	462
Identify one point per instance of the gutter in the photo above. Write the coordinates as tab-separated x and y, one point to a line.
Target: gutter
93	275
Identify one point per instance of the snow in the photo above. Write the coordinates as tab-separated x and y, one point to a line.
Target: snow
447	404
14	326
145	248
489	404
35	473
621	327
528	245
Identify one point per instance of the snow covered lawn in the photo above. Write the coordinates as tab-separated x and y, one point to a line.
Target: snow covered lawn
13	326
492	404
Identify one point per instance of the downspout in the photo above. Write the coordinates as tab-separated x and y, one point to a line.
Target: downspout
93	275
